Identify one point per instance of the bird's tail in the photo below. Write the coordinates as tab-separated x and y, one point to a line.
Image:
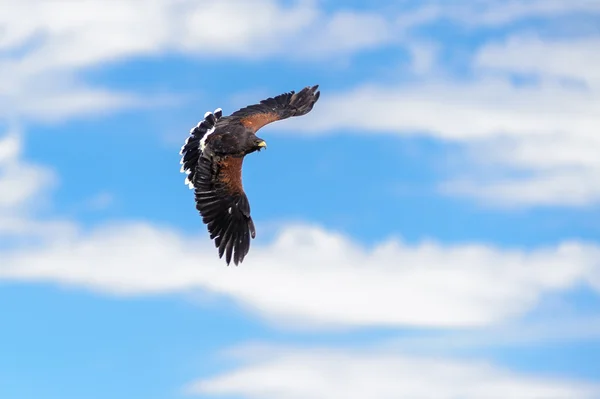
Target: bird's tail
191	151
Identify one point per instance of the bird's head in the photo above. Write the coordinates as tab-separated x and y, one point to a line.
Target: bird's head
256	144
260	144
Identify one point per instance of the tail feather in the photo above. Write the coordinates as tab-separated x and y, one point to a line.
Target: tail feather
191	149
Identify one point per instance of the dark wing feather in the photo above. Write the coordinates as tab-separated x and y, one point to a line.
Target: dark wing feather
223	205
277	108
190	151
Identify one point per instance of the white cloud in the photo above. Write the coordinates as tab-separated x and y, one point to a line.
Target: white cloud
19	181
311	277
74	35
494	13
576	187
575	58
42	53
55	102
536	331
545	130
318	373
463	112
23	192
557	143
338	36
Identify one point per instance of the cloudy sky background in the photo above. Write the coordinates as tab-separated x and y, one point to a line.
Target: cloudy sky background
430	230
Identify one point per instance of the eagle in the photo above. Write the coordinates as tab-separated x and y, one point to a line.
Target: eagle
212	158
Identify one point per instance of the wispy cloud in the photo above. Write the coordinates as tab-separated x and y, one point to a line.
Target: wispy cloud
46	51
492	13
562	58
524	111
19	181
23	192
311	373
390	285
42	54
542	333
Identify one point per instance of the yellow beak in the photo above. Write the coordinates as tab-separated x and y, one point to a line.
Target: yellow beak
263	144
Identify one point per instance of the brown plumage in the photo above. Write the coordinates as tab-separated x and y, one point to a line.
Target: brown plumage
231	174
213	155
255	122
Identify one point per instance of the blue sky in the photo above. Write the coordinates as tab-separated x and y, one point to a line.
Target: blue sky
430	230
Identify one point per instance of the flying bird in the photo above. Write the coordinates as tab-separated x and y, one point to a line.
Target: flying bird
212	158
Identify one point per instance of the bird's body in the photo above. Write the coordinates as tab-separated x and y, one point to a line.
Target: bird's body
212	158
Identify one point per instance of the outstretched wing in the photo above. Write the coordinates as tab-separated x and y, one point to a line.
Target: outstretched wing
277	108
223	205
